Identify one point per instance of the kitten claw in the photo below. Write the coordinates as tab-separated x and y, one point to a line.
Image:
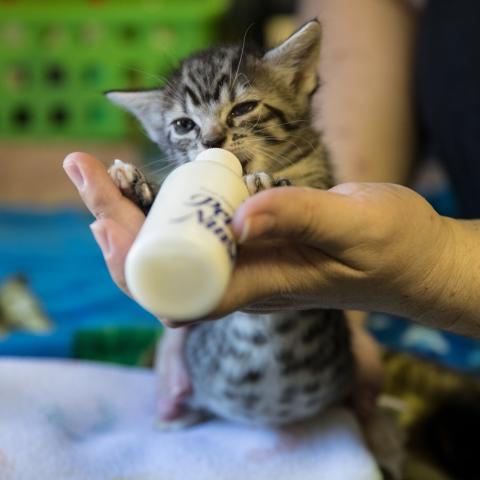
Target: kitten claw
132	183
122	174
256	182
146	192
282	182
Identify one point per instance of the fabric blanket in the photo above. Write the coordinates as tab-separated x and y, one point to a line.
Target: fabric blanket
55	253
75	420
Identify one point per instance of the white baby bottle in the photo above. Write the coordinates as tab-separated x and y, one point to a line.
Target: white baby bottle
180	264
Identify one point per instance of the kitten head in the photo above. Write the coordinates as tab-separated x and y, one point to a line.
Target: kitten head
235	98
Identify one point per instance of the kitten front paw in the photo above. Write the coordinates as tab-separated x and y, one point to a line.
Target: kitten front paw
282	182
256	182
133	184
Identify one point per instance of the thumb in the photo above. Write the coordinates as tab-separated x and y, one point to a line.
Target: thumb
308	215
115	242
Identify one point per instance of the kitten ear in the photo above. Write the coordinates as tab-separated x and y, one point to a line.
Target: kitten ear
297	57
146	105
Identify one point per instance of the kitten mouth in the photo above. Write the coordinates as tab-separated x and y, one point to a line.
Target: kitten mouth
243	157
243	161
244	165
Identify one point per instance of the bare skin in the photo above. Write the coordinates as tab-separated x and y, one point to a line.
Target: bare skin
366	115
173	379
365	101
373	247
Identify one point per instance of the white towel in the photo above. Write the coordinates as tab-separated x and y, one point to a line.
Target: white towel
67	420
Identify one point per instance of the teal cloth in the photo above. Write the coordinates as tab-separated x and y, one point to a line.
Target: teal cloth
55	251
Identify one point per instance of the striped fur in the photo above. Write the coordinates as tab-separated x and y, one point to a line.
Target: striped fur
275	368
276	137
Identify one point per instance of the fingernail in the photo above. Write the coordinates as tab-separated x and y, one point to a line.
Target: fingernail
256	226
101	238
74	173
245	231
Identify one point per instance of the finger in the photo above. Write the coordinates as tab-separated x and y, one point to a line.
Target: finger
250	283
305	214
266	271
99	193
115	242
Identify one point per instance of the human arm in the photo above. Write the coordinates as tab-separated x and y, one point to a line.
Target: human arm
365	110
374	247
365	103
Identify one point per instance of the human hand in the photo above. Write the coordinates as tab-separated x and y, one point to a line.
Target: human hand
356	246
118	220
359	246
117	223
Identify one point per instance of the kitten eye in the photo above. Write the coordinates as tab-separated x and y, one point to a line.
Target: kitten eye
243	108
183	125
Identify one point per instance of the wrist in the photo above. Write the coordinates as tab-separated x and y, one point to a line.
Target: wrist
443	295
434	263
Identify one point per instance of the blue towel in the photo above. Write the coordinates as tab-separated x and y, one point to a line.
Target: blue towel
55	251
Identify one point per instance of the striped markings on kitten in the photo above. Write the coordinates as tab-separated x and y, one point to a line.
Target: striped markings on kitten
274	368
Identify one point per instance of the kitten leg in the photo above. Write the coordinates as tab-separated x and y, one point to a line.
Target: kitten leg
256	182
188	418
173	382
133	184
282	182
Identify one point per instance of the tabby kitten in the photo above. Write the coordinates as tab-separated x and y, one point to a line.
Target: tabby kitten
273	368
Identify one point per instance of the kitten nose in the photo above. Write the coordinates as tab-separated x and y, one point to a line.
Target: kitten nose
213	142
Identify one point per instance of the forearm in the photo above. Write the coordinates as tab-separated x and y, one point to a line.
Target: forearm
365	102
448	295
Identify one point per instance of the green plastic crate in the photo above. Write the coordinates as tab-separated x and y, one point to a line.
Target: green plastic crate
56	59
